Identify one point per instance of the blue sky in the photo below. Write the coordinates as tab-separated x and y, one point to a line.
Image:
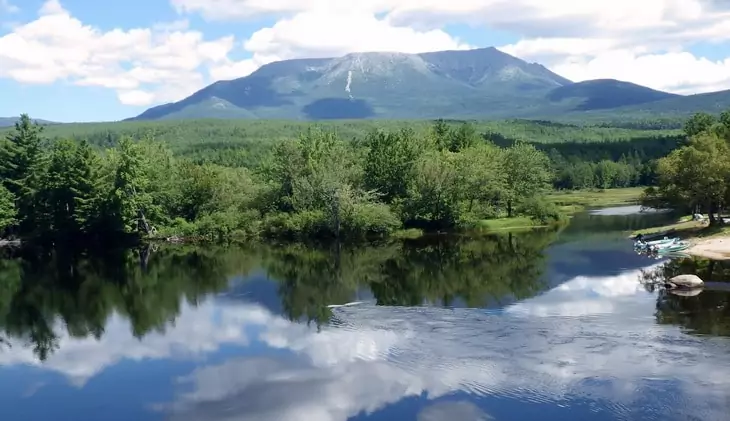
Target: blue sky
76	60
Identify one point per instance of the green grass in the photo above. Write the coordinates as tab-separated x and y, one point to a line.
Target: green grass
569	202
501	224
578	200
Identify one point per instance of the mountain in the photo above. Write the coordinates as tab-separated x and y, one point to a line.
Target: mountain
367	85
482	84
10	121
602	94
712	102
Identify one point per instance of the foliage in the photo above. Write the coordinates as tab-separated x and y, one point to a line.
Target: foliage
8	212
528	174
694	178
699	123
352	180
21	163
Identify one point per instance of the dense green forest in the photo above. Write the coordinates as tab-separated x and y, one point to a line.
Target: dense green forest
244	142
316	185
223	179
694	178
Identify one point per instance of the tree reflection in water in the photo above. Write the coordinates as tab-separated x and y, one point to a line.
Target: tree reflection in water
706	313
37	291
433	271
79	291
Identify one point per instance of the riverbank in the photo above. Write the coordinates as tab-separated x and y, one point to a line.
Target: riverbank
574	201
569	202
707	242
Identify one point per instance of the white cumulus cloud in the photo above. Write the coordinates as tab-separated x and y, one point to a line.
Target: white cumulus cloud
143	65
647	42
332	33
644	42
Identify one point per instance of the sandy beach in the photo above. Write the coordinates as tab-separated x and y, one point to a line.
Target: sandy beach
717	248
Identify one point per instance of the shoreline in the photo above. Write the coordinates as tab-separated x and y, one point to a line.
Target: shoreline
715	248
705	242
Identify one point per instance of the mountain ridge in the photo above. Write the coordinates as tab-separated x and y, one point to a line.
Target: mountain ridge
483	83
10	121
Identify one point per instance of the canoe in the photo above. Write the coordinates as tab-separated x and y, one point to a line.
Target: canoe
672	248
656	243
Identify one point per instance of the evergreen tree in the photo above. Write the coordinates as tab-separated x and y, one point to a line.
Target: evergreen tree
69	194
89	188
21	164
8	212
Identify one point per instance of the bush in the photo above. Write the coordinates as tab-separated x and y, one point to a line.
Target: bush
371	219
224	225
542	210
295	225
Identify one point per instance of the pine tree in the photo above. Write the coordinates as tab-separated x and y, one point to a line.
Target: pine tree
21	164
69	193
88	189
8	212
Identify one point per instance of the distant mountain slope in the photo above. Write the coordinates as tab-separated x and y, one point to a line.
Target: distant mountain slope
713	102
460	84
10	121
606	93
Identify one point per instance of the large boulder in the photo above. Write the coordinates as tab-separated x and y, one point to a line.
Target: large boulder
685	281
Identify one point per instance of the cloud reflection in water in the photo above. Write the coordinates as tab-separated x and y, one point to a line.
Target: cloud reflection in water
589	338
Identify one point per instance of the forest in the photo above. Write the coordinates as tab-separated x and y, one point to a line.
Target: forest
694	178
219	179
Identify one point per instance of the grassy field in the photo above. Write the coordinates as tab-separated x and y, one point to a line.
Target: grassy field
502	224
569	202
578	200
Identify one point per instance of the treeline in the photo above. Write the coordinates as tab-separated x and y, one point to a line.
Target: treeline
646	124
603	165
317	185
695	177
245	142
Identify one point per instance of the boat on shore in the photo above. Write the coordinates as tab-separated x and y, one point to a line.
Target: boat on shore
673	247
643	244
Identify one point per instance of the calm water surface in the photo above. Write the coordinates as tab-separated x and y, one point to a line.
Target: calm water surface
540	326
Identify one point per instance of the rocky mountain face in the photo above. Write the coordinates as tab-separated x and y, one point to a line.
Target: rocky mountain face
481	83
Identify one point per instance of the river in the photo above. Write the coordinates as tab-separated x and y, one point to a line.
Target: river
545	325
